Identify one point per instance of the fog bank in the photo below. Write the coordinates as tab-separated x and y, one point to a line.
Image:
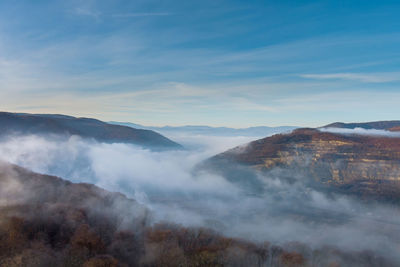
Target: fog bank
166	183
361	131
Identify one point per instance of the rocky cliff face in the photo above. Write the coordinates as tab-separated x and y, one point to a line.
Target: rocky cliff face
365	165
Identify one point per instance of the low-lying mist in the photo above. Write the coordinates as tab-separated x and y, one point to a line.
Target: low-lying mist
361	131
168	184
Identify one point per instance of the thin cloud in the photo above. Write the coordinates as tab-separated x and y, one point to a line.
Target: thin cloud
360	77
146	14
361	131
87	12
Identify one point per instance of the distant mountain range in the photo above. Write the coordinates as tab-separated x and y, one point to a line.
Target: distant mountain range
213	131
363	165
22	123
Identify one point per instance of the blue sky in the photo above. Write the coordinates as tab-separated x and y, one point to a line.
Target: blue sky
215	62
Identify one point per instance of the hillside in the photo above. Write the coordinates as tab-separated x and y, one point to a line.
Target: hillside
19	123
47	221
368	166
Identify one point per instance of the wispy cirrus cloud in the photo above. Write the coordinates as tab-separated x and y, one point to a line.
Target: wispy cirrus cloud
81	11
141	14
360	77
90	10
96	15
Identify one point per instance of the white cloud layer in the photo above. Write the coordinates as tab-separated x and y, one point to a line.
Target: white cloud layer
361	131
360	77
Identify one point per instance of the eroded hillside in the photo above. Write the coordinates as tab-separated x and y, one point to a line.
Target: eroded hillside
359	164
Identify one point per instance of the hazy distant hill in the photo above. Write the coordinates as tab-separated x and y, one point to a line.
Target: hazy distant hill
21	123
368	166
213	131
19	186
380	125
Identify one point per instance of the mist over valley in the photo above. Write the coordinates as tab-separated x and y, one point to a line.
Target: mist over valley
204	133
197	187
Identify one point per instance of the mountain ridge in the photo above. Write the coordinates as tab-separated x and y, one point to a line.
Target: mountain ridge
379	125
24	123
